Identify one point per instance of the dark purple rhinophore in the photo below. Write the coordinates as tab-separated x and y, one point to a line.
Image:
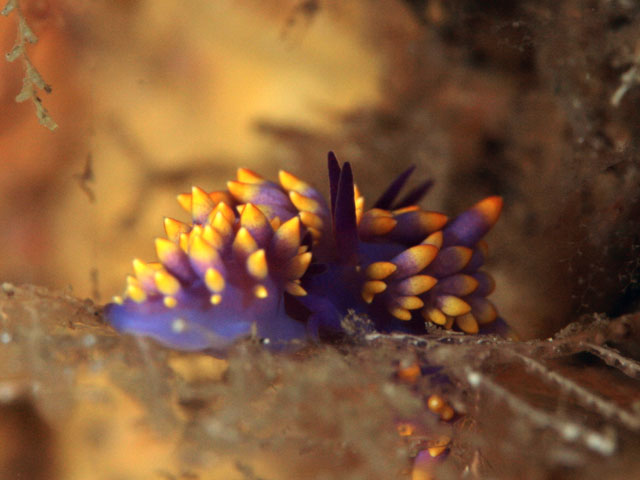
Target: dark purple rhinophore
273	259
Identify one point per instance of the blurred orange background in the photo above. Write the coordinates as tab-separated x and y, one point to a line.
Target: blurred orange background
156	96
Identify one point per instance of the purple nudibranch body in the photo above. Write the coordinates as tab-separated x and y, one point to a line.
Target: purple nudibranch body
275	260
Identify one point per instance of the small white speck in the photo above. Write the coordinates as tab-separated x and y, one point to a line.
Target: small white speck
474	378
5	337
390	390
266	341
8	392
570	431
179	325
89	340
600	443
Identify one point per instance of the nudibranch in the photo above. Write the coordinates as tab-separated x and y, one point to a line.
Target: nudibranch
276	261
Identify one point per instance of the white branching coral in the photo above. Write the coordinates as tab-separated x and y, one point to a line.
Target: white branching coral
32	81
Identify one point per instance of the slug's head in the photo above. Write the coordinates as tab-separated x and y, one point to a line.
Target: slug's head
216	279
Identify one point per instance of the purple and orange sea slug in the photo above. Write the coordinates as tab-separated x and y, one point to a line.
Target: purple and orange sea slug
275	260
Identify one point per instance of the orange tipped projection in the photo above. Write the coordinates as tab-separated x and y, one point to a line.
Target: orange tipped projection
201	204
414	259
244	175
490	209
468	228
304	203
244	244
380	270
286	239
297	266
292	183
257	265
173	228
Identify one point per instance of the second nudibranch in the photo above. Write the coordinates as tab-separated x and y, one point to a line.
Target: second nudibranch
277	261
